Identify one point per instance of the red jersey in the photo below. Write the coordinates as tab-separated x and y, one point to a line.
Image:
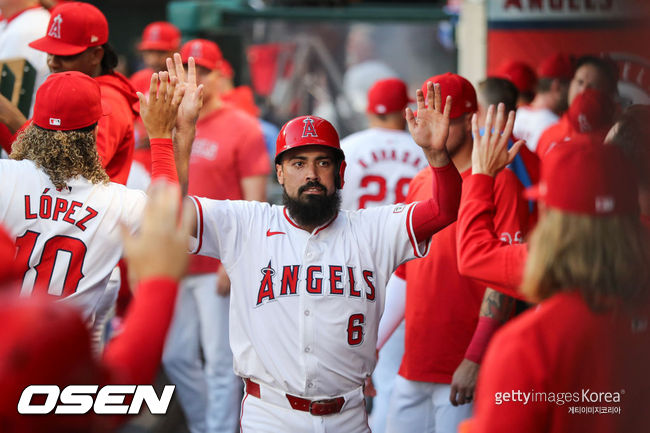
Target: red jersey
228	146
115	138
564	131
442	307
563	368
140	80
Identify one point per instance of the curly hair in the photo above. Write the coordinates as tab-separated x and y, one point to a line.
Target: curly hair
62	155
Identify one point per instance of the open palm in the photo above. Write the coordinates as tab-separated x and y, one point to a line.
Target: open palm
188	111
430	128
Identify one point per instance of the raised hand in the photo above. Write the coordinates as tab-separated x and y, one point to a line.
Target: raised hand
490	154
431	127
159	249
159	109
188	111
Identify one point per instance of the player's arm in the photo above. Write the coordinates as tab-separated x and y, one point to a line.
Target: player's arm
157	259
394	309
254	187
10	115
159	111
481	254
496	309
430	131
188	113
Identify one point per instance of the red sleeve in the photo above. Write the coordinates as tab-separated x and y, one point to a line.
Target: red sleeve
7	138
436	213
481	255
498	381
483	333
133	357
252	156
163	165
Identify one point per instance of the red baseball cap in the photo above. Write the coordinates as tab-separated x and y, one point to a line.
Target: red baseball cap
558	65
591	111
66	101
584	176
160	36
42	342
226	69
388	96
461	91
520	74
73	28
206	53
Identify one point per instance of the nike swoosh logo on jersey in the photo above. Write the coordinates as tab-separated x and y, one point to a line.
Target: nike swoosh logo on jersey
269	233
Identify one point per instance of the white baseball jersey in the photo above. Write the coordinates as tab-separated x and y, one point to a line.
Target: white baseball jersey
380	165
305	307
68	241
531	123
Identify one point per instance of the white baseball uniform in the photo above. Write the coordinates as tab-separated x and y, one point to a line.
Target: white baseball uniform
305	307
68	240
380	164
530	123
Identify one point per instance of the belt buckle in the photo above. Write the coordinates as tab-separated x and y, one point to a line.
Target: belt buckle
324	407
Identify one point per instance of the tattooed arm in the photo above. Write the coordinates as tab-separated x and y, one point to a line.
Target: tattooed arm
496	308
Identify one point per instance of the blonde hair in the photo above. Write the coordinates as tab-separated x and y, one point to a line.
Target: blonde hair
62	155
606	259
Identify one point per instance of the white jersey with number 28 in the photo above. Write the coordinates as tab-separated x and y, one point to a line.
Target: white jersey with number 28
68	241
305	306
380	166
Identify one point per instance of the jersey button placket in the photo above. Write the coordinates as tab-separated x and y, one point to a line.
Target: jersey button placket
308	337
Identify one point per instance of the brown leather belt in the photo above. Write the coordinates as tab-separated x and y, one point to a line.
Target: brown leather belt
314	407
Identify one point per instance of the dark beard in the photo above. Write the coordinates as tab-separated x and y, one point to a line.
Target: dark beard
312	210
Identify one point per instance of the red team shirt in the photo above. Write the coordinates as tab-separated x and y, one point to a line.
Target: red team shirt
228	147
115	137
442	308
564	347
141	79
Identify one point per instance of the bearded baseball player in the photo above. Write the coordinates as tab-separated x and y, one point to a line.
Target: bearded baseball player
308	279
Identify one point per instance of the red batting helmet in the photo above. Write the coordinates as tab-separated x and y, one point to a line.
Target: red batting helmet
309	131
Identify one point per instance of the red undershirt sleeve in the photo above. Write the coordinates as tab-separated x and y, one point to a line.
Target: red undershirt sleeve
163	165
133	357
436	213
